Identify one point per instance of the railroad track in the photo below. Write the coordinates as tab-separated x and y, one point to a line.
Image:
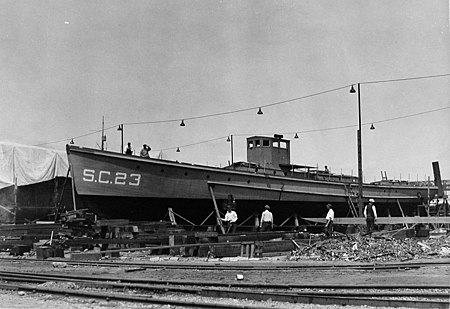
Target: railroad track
243	267
337	295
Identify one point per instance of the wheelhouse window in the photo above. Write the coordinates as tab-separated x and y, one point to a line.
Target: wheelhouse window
266	143
283	145
250	144
257	143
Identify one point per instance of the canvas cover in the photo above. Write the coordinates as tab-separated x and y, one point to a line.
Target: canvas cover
29	164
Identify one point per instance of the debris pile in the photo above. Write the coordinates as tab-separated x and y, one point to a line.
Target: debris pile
371	249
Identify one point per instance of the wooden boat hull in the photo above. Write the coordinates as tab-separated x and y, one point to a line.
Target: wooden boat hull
102	179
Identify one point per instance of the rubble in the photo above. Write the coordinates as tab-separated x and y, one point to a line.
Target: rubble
375	248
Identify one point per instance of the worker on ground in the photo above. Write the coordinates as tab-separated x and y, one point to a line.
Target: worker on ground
330	219
266	220
145	151
231	219
370	213
129	150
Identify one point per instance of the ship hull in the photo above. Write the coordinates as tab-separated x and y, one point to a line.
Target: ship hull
120	186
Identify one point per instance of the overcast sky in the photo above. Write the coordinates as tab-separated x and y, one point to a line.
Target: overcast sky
66	64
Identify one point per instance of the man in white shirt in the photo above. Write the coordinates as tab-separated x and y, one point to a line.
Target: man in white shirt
266	223
230	219
330	219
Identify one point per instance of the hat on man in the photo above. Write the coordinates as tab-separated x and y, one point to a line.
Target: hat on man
329	205
267	207
371	200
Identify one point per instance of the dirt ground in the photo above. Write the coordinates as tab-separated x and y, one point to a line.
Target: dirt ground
13	299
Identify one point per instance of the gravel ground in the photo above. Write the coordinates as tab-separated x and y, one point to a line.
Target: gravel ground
14	299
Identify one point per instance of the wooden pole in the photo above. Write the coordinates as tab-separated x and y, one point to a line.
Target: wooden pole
72	182
219	222
360	169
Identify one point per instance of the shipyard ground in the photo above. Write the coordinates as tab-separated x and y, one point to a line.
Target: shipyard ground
428	275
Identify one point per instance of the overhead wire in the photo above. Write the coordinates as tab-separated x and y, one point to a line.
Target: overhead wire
314	130
261	106
404	79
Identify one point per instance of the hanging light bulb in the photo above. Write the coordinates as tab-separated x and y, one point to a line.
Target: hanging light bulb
120	128
296	135
352	90
260	112
72	142
178	149
228	139
182	123
372	127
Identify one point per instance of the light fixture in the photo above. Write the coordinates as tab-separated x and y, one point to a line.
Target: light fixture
296	135
352	90
72	142
228	139
182	123
260	112
178	149
120	128
372	127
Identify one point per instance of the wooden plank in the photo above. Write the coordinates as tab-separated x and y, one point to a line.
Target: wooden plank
385	220
172	216
219	222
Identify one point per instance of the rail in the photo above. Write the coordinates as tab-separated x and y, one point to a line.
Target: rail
332	295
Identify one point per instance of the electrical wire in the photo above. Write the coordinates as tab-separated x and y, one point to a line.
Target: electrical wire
260	106
313	130
239	110
404	79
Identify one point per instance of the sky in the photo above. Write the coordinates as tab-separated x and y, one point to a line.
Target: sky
66	65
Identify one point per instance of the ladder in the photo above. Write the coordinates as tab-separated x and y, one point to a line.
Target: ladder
351	206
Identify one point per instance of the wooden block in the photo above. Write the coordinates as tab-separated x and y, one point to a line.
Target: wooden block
86	256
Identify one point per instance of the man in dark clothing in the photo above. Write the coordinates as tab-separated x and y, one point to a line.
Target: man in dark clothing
370	213
129	150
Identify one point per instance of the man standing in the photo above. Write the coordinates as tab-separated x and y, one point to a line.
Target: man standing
230	219
129	150
266	220
145	151
370	213
330	219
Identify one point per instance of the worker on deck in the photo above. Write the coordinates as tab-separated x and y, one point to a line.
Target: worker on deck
231	219
266	220
145	151
330	219
129	150
370	213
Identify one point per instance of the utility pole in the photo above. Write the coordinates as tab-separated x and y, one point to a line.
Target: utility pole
103	133
359	141
230	140
360	169
232	152
120	128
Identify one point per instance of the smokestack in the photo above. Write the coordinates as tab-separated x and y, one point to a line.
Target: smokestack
437	179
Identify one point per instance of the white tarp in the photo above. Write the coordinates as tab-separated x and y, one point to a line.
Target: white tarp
29	164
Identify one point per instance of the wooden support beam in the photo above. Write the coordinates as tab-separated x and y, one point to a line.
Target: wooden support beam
401	210
172	216
245	221
181	217
219	222
385	220
286	221
206	219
